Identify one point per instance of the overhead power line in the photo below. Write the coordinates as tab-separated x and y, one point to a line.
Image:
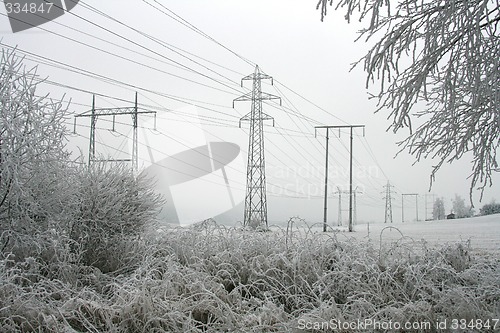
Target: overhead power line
187	24
149	49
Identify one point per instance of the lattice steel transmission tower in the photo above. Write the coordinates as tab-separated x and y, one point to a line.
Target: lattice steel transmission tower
388	203
255	201
94	113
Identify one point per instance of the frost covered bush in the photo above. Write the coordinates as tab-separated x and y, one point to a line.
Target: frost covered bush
115	208
34	165
48	205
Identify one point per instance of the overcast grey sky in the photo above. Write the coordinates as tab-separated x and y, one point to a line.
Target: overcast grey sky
288	41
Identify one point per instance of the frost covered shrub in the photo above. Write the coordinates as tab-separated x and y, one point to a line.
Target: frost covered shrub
115	209
32	144
34	166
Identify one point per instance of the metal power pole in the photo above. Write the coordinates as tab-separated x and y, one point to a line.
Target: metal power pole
402	208
95	113
135	144
350	183
354	211
431	207
255	201
93	120
350	165
402	205
355	214
339	218
325	204
326	185
416	205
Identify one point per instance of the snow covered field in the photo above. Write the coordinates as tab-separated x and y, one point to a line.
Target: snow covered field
483	232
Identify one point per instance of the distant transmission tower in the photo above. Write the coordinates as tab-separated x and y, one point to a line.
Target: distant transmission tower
255	200
429	208
94	113
403	205
388	203
339	218
339	192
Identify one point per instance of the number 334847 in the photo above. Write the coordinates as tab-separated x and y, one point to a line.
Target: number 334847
32	8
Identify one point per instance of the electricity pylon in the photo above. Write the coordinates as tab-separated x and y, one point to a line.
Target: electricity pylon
255	200
339	218
403	205
429	207
339	192
388	203
94	113
350	170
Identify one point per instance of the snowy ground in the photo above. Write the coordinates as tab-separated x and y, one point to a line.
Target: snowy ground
483	232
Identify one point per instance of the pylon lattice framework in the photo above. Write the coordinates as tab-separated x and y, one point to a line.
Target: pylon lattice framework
255	214
388	203
94	113
339	192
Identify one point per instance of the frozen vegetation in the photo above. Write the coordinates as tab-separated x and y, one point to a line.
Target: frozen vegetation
210	278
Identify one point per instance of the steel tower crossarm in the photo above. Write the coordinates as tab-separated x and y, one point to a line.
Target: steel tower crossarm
255	214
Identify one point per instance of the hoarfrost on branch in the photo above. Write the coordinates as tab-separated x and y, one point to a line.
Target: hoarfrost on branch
437	61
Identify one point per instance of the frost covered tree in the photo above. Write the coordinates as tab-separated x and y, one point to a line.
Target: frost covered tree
32	154
460	209
96	213
489	209
438	212
437	61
